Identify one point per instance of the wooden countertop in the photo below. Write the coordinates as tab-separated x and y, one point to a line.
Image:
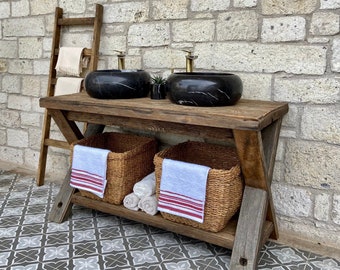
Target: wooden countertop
245	115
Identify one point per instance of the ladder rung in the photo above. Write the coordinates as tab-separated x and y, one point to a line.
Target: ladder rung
76	21
86	52
57	143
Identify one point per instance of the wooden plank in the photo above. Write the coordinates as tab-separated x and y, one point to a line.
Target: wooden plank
96	37
268	229
43	150
270	137
62	205
224	238
57	143
76	21
248	236
50	92
250	150
245	115
221	134
69	128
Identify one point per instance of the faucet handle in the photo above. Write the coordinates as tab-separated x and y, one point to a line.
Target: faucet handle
187	51
121	53
121	59
189	60
190	54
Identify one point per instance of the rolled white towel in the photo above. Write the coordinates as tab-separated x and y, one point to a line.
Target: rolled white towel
146	186
131	201
69	61
148	204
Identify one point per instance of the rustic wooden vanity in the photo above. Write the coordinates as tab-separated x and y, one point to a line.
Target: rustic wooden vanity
253	126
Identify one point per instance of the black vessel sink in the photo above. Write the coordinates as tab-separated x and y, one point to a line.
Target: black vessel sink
117	84
204	88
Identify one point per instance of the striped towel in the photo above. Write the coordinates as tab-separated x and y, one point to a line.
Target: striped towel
89	169
183	189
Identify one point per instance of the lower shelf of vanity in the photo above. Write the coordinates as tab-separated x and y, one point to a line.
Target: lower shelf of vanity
224	238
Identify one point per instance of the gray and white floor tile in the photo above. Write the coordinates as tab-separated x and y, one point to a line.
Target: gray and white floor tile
93	240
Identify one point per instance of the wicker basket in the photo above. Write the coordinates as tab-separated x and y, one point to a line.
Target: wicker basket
130	160
224	185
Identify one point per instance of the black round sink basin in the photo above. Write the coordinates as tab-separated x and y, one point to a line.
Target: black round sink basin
204	88
117	84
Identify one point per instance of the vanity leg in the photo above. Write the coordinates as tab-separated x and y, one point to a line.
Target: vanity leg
62	206
254	154
248	237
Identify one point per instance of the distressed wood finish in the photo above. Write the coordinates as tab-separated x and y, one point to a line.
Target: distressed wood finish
257	150
63	205
92	53
71	131
245	115
57	143
224	238
154	126
250	229
253	126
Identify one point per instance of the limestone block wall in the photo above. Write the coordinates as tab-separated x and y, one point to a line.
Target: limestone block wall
283	50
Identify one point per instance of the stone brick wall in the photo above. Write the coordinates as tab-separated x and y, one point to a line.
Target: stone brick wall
283	50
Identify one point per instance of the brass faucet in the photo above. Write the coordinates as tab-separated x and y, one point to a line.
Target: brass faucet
189	64
121	59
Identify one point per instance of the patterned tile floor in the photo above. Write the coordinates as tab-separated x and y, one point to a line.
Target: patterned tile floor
93	240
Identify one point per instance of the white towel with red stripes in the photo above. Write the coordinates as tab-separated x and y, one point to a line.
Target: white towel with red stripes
183	189
89	167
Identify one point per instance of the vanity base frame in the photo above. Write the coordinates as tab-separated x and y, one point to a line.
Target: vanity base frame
252	126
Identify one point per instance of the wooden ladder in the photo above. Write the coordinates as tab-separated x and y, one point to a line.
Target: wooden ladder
59	23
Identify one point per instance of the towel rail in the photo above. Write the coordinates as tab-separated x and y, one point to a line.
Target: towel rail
87	52
76	21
